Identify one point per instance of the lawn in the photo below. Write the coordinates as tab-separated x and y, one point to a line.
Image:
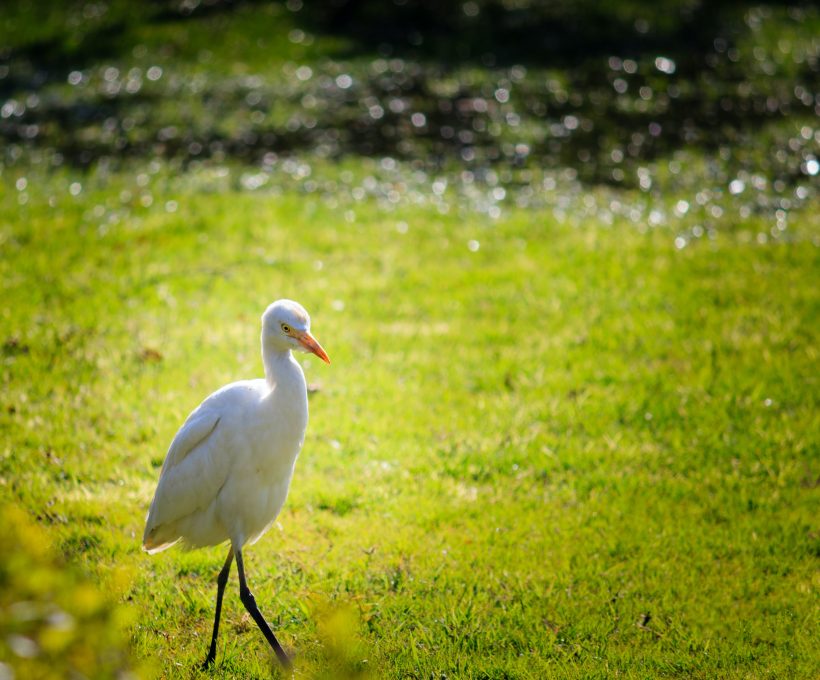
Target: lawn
568	432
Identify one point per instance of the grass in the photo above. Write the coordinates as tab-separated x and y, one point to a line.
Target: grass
571	425
570	453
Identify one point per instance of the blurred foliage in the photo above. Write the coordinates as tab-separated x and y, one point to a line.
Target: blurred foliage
338	632
54	623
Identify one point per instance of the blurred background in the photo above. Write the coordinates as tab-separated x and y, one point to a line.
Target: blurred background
710	97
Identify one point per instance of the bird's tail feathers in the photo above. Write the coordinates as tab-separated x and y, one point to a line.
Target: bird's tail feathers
154	542
150	547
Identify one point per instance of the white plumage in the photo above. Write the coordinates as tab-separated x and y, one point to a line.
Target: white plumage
228	470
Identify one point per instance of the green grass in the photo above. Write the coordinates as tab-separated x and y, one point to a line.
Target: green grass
575	452
571	425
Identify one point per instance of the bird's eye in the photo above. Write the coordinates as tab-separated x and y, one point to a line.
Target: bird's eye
285	328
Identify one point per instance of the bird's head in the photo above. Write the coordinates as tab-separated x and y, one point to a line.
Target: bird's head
286	325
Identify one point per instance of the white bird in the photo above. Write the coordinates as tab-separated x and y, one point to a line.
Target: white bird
227	472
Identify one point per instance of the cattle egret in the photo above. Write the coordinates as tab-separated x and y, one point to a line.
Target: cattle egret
227	472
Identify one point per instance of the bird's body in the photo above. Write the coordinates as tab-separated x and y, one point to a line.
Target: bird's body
228	470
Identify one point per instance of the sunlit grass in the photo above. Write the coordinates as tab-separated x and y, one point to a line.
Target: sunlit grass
570	429
570	452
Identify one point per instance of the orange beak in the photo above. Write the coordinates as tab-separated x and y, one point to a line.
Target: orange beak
311	345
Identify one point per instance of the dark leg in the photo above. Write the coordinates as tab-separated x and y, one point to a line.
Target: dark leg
221	581
250	604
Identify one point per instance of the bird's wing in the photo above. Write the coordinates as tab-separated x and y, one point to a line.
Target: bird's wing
198	427
193	472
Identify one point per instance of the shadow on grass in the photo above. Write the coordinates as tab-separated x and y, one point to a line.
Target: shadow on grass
600	87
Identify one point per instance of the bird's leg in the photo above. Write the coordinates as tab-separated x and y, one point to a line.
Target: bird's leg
250	604
221	581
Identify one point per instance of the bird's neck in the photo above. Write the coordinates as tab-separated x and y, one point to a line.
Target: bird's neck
281	369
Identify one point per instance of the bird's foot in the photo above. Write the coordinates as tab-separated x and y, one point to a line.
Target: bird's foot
209	662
